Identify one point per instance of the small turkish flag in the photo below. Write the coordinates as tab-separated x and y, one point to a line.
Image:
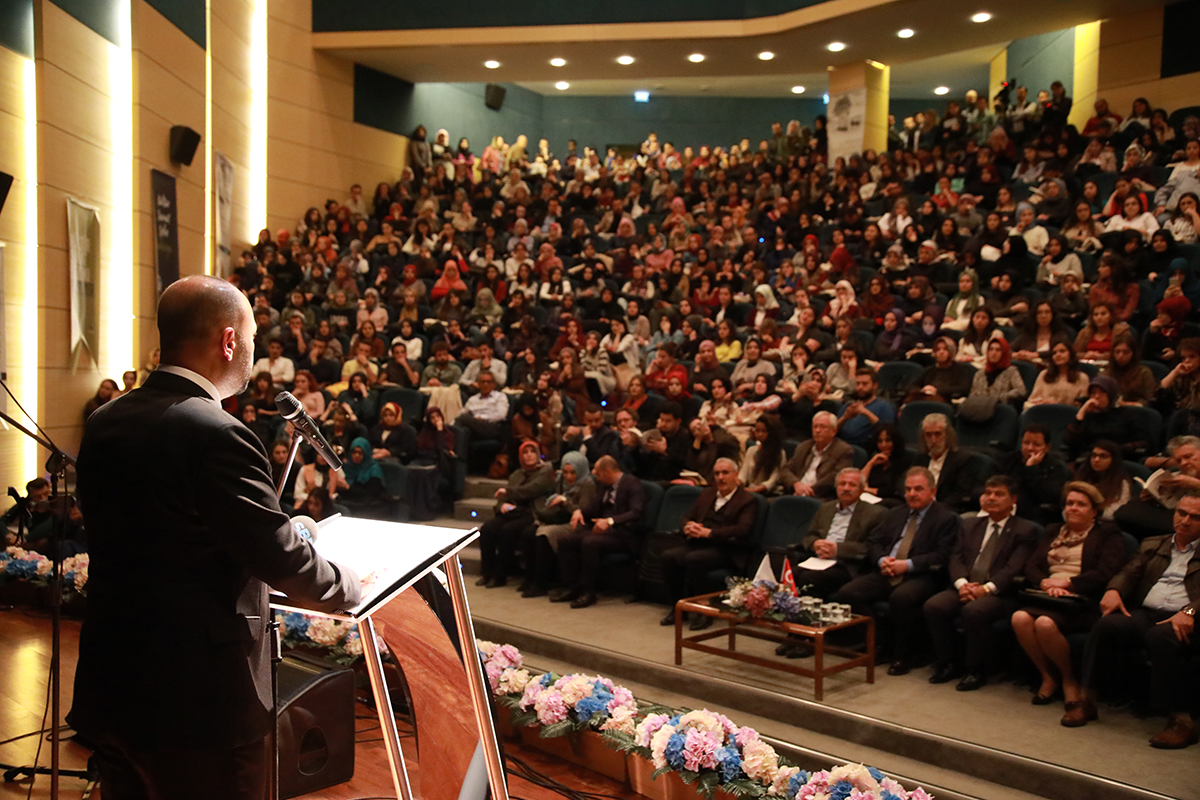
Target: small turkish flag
786	578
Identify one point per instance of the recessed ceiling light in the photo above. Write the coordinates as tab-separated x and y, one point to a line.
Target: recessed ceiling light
905	33
835	47
641	96
626	60
558	62
942	90
982	16
696	58
562	86
797	90
492	64
765	55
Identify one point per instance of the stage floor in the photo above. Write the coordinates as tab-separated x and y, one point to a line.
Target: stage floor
999	716
24	669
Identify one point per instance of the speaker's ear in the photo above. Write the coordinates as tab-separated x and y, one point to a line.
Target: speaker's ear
184	142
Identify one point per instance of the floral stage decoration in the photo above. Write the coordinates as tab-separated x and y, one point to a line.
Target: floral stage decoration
765	599
700	748
17	564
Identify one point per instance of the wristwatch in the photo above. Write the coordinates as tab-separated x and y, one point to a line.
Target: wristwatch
1189	610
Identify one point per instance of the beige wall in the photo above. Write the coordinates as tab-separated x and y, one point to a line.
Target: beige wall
315	149
230	23
1130	55
16	456
168	89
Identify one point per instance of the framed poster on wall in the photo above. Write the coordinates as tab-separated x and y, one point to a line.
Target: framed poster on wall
83	253
166	228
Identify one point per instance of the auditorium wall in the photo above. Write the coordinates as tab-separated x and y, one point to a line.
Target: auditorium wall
316	150
1130	65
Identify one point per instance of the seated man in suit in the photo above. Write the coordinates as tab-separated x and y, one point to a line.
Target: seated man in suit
908	554
716	533
595	438
812	470
610	523
991	551
664	450
1040	476
1152	604
952	476
838	532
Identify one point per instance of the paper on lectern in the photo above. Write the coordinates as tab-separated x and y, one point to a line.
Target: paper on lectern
388	556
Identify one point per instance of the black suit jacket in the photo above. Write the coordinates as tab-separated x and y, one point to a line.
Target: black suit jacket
957	480
932	545
732	524
627	509
185	536
1018	540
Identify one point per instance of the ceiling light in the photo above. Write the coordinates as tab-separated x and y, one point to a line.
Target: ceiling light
797	90
835	47
625	60
982	16
942	90
696	58
492	64
641	96
558	62
765	55
905	33
562	86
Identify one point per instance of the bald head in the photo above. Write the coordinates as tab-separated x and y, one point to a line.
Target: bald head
206	325
192	312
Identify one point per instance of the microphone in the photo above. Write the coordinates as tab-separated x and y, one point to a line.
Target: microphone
305	527
291	410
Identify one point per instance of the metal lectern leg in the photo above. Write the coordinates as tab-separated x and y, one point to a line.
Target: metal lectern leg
476	679
383	704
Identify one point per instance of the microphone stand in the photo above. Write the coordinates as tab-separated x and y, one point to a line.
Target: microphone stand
56	465
276	641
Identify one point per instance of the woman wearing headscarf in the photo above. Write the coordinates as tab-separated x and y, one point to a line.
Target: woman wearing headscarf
894	340
878	300
1059	260
364	478
487	311
573	489
843	304
999	380
532	480
393	437
765	306
1101	417
948	379
449	281
360	400
963	305
1036	237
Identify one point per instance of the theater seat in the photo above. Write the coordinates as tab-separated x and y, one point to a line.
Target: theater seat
911	415
1000	432
1056	417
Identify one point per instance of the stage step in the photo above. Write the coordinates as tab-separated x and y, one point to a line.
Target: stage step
477	487
475	509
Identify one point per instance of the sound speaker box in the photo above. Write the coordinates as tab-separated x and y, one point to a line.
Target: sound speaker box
184	142
493	96
316	727
5	184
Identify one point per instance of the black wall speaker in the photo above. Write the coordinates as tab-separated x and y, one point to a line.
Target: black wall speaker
184	142
316	727
5	184
493	96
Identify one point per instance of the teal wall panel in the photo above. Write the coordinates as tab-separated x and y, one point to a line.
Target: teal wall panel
187	15
16	26
99	15
1038	61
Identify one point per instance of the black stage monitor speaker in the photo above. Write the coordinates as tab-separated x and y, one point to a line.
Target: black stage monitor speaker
5	184
494	96
316	727
184	142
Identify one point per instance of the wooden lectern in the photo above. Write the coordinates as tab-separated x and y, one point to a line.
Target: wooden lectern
450	696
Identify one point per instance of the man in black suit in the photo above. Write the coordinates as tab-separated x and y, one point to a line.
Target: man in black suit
950	467
610	523
816	463
661	457
1040	476
716	533
909	552
991	552
173	684
595	438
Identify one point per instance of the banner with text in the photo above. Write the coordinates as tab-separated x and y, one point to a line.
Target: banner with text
83	252
166	228
223	180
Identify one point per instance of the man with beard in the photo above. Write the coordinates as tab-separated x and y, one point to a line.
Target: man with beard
858	418
185	536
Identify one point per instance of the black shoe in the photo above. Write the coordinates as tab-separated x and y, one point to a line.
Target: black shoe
525	586
900	666
496	583
700	622
563	595
783	649
534	591
483	581
1047	699
944	673
584	600
669	619
800	650
973	680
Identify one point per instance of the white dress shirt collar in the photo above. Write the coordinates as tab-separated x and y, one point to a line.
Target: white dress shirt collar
195	377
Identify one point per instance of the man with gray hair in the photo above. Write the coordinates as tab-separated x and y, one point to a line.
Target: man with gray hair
953	477
812	470
715	534
1152	512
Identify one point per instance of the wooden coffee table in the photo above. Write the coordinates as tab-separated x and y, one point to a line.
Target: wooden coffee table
772	631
